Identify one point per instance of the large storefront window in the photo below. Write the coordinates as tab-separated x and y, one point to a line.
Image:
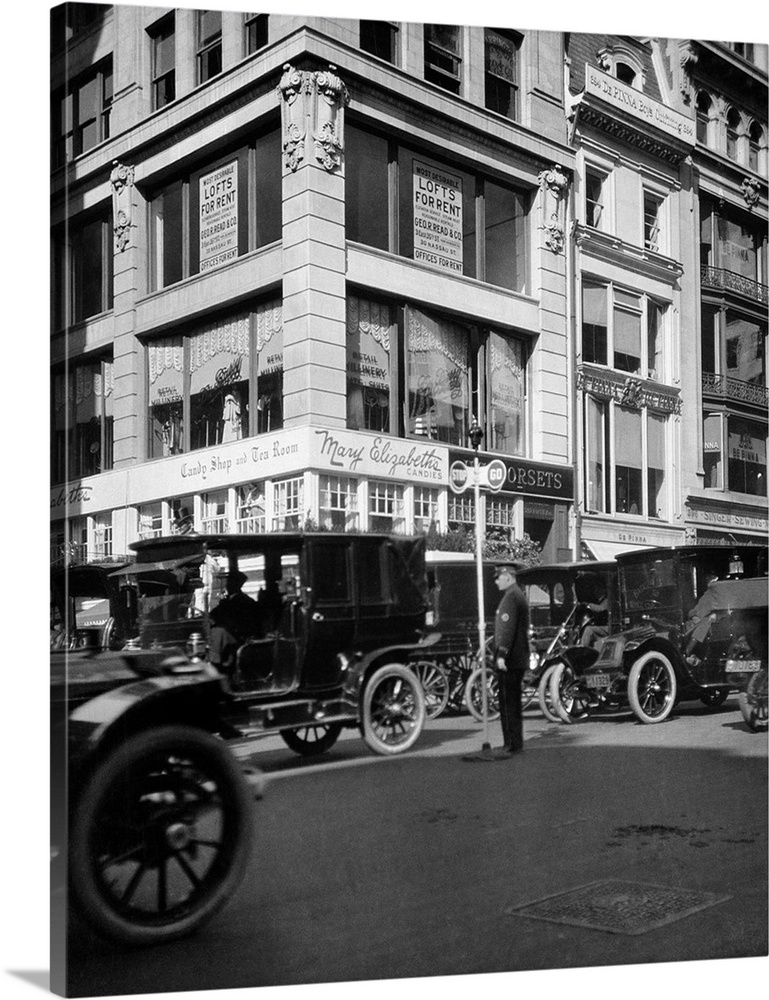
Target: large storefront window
82	412
83	272
205	388
369	370
620	443
434	212
437	374
210	216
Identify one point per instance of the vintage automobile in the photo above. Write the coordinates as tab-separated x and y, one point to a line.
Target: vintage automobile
658	658
85	608
565	601
316	639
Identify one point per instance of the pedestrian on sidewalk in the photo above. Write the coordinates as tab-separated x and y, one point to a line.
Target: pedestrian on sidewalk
511	656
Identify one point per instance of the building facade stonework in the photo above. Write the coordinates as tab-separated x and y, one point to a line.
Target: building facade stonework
295	257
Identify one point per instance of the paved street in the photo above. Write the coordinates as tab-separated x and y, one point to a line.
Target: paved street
371	868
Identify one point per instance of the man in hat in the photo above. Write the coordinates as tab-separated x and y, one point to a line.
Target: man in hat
511	656
235	618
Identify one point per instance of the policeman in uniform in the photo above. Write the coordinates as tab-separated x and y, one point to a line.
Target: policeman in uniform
511	656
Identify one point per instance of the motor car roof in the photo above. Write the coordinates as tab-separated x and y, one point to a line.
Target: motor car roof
565	569
649	555
172	549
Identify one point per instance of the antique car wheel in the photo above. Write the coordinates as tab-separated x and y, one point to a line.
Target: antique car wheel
651	687
753	702
435	684
545	698
714	697
474	695
161	834
567	702
393	709
309	741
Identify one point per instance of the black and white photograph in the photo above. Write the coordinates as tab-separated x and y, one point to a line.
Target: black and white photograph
407	498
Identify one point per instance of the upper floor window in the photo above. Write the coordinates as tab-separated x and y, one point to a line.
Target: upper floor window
743	468
83	269
400	200
163	40
205	218
703	110
755	142
744	49
70	19
80	116
624	330
732	133
443	63
209	44
733	346
732	242
257	32
653	207
218	383
625	74
501	80
379	38
596	183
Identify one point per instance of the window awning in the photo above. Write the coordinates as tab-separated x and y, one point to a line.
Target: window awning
608	550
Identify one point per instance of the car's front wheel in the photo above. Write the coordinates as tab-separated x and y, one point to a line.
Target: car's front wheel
161	834
392	709
544	697
753	702
652	687
310	741
567	700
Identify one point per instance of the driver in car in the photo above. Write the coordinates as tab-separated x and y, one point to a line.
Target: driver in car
236	618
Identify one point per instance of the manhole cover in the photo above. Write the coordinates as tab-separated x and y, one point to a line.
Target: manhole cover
618	907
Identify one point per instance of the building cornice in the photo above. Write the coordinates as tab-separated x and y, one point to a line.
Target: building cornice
612	250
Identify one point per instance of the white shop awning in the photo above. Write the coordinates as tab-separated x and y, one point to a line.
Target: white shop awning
608	550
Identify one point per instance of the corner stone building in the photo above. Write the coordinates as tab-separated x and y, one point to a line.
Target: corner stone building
294	258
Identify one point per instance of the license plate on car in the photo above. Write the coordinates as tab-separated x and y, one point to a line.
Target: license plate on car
597	680
742	666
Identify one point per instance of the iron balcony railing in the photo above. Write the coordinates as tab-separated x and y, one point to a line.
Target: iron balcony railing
735	389
729	281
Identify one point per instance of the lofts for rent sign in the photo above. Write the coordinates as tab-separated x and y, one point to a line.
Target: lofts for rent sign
437	217
219	216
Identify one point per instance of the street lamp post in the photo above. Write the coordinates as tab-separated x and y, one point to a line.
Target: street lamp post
475	435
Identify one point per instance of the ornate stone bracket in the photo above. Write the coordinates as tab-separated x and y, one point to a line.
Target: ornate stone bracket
311	104
554	184
122	181
750	191
687	60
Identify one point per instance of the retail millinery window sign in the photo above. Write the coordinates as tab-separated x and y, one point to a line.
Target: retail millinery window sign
437	217
219	216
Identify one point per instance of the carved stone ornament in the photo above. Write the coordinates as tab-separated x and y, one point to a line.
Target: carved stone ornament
687	59
122	180
311	103
554	183
750	191
631	392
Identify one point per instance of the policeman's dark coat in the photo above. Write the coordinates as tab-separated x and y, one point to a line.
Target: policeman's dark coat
511	629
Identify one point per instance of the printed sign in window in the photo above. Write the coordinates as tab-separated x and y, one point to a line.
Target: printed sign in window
219	216
437	217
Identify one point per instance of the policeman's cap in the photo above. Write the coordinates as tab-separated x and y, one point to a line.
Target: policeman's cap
507	567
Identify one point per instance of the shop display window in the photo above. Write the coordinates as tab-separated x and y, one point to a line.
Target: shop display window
215	516
746	466
220	383
82	420
250	506
288	503
437	378
425	507
507	394
370	344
